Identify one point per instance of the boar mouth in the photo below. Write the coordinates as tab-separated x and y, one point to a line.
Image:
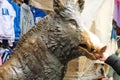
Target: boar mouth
83	45
87	51
86	47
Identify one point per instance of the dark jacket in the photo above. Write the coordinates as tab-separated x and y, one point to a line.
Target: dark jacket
114	62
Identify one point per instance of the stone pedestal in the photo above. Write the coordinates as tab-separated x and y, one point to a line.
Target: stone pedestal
73	69
83	69
76	67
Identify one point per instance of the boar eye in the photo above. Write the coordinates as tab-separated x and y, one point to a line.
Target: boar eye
72	21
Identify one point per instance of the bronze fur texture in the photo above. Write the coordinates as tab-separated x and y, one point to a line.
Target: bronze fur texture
44	51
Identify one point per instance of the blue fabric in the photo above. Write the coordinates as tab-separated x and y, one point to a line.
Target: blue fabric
9	1
16	20
113	34
37	13
6	55
8	51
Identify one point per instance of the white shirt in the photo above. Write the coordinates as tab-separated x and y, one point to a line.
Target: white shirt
7	15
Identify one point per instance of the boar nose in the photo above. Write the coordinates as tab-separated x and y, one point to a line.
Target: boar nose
98	55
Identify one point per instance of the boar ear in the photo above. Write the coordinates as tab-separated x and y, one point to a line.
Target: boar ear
58	5
103	49
81	4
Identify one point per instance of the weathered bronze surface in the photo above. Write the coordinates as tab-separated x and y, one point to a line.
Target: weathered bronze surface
44	51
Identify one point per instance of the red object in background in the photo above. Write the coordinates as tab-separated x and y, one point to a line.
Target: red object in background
118	0
118	31
104	78
100	79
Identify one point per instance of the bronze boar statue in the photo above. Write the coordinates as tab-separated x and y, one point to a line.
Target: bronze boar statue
44	51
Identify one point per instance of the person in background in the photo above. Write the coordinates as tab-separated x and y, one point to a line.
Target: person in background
112	73
110	59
